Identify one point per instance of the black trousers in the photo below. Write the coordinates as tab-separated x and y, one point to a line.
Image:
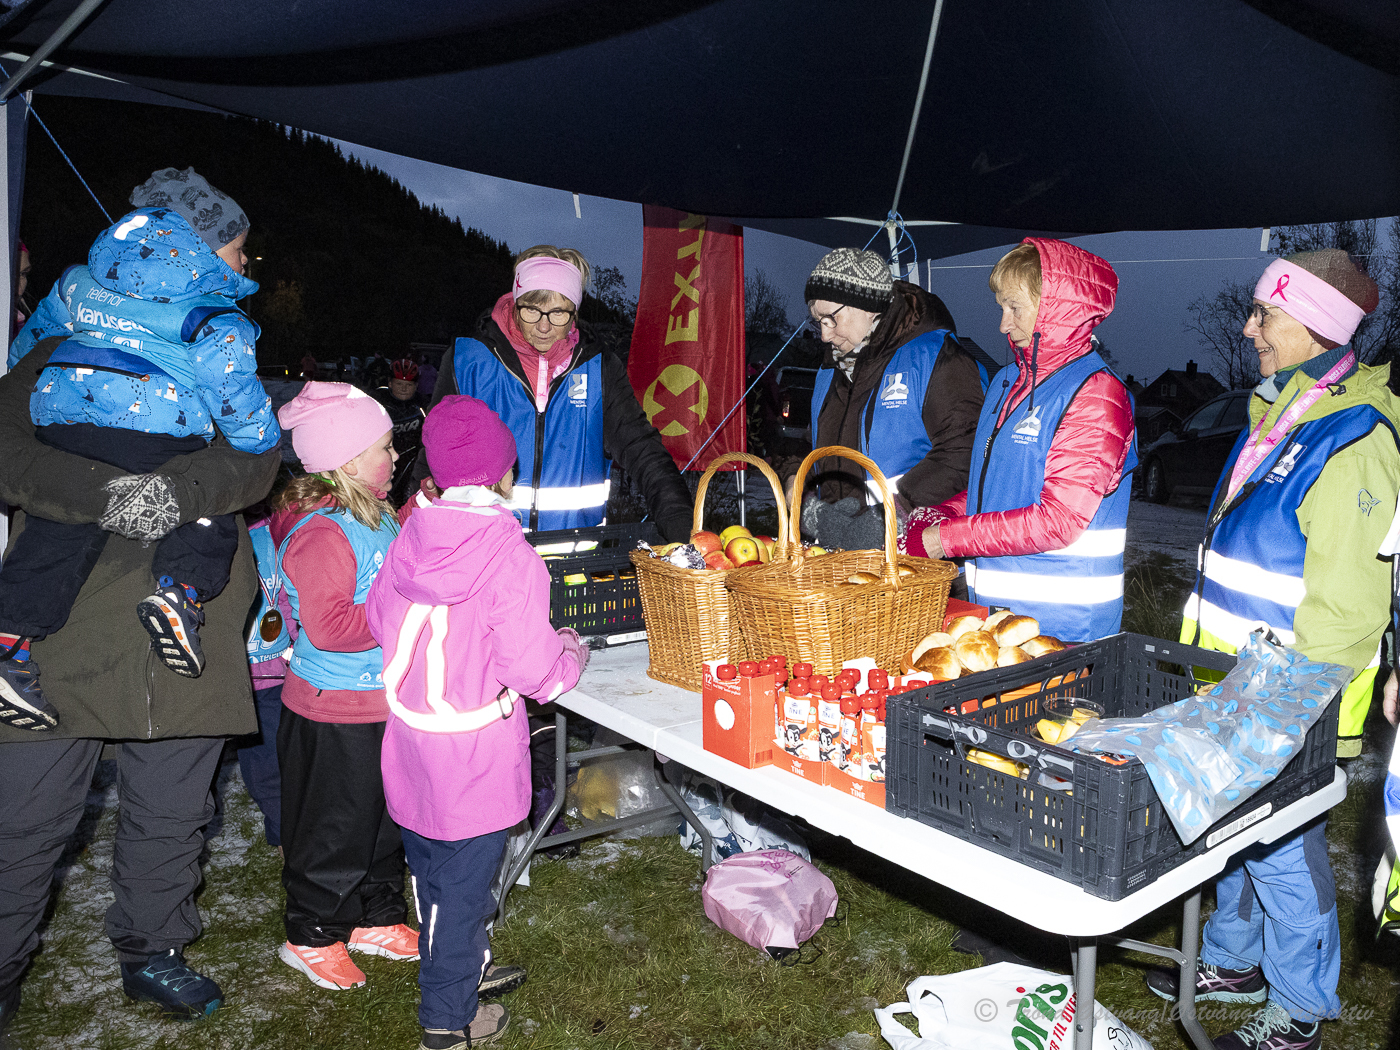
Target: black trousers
343	854
165	791
50	562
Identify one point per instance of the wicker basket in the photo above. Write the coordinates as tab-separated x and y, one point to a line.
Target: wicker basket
687	611
806	611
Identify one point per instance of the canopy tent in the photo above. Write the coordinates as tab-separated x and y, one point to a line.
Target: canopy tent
789	116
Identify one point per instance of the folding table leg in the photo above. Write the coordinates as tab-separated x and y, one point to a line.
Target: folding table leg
561	758
1186	983
707	841
1086	964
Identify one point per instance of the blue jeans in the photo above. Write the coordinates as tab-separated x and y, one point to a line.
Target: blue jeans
257	759
452	892
1276	907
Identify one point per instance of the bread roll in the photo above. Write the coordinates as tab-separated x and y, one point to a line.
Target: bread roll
962	624
977	650
933	641
997	617
1042	644
1011	654
904	571
861	576
1017	629
940	662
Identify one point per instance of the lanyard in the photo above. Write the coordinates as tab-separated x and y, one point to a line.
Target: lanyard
1258	447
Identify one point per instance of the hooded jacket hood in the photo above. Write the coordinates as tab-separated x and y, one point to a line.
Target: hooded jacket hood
448	566
1077	291
154	254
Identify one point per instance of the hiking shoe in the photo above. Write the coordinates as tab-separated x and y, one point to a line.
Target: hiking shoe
490	1021
1213	984
22	703
165	979
499	980
172	617
329	966
393	942
1273	1029
444	1039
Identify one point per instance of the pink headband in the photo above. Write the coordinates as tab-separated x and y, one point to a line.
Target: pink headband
1309	300
553	275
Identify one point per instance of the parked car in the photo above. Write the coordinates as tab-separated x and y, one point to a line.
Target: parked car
1190	458
795	402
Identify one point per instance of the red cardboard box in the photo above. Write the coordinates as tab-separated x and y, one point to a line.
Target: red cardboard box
738	717
958	608
807	769
865	790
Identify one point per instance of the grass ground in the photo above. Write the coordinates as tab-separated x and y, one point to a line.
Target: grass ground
621	954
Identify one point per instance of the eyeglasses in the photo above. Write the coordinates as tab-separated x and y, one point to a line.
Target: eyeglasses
558	318
827	321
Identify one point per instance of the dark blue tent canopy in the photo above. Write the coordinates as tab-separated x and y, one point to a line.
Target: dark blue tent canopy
1075	117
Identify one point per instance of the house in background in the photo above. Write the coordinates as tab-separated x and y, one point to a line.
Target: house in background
1170	398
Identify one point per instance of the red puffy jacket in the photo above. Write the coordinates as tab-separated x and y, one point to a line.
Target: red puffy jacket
1086	457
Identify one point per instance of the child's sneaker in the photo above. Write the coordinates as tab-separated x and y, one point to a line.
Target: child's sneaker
172	617
172	984
393	942
1213	984
22	703
498	980
329	966
490	1021
1273	1029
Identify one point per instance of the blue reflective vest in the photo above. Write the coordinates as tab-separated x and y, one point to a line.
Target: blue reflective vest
1252	559
570	490
332	670
270	585
1077	592
892	424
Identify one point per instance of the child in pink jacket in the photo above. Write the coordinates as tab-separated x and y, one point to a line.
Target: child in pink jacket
461	609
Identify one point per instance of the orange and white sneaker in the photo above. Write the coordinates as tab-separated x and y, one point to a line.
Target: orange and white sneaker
329	966
393	942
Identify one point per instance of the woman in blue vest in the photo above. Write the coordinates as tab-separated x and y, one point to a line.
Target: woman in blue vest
566	399
897	387
1297	516
1043	521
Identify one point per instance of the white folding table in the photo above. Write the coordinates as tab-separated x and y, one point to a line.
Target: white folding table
615	692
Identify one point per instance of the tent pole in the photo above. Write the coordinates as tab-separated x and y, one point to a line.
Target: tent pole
55	40
918	105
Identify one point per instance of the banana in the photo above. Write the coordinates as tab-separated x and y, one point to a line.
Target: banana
997	762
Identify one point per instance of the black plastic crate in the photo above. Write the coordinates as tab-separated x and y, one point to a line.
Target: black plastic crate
595	591
1109	833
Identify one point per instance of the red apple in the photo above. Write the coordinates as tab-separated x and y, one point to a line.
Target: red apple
705	542
717	560
765	548
742	550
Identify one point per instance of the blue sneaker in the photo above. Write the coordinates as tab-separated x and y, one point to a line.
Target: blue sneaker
22	703
168	981
172	617
1273	1029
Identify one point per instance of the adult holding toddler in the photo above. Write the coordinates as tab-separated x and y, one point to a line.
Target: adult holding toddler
462	611
343	857
1043	522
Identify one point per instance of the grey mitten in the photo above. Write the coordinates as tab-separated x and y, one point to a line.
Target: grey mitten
141	507
847	524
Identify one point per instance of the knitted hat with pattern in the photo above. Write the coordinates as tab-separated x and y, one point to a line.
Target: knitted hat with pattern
852	278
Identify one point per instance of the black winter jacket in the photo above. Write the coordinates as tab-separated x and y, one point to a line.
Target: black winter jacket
629	439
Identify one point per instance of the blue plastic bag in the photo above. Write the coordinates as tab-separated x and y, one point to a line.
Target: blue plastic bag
1208	754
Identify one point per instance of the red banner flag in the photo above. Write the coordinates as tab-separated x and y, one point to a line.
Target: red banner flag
687	357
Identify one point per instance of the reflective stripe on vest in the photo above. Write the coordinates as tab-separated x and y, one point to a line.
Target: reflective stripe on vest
327	669
1076	592
441	717
570	489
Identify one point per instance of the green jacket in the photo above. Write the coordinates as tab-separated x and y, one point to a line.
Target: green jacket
99	670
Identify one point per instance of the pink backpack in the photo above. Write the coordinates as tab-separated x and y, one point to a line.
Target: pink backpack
771	899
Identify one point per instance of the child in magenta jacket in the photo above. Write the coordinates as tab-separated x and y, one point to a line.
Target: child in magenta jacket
461	610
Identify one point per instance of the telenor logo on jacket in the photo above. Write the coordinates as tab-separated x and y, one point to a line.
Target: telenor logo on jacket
1028	429
578	388
896	390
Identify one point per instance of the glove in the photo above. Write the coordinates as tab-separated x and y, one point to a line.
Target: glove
141	507
846	525
574	644
675	529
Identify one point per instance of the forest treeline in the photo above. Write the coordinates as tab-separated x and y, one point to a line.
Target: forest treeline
350	262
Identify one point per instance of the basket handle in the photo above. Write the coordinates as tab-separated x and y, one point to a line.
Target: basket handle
698	515
886	494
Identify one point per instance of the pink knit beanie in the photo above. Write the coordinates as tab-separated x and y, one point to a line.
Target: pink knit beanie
466	443
332	423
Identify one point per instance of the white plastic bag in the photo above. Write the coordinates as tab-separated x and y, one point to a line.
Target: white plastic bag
998	1007
738	823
